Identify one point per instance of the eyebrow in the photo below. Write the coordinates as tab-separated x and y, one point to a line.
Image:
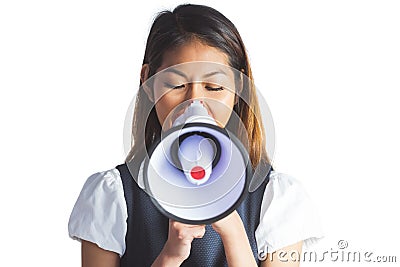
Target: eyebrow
214	73
204	76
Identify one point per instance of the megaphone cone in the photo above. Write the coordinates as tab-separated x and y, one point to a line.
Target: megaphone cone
199	172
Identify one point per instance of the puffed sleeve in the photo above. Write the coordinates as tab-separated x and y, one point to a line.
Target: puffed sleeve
287	216
100	213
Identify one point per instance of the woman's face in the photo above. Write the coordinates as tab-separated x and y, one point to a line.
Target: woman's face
213	82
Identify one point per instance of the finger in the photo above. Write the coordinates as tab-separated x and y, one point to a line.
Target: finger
200	232
179	225
191	232
195	225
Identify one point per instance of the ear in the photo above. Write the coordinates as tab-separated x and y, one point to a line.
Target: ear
144	74
236	100
239	86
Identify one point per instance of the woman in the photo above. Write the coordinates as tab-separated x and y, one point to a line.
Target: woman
132	232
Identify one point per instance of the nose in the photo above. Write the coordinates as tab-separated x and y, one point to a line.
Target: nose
195	91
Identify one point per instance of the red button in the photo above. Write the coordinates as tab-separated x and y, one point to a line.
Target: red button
197	173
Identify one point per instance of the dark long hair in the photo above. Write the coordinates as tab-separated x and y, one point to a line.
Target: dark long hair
197	22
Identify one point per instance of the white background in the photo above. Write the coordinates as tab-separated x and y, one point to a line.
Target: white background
329	71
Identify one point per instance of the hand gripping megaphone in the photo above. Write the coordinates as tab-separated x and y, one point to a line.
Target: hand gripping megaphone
199	172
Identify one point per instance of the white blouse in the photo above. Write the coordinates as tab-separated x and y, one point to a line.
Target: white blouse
287	213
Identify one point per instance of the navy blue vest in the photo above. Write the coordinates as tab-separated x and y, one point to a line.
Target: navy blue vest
148	229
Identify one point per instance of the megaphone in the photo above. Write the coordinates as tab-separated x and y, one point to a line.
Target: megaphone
198	172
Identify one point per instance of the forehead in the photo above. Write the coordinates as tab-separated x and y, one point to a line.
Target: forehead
198	71
193	51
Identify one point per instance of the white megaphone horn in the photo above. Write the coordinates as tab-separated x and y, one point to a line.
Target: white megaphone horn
199	172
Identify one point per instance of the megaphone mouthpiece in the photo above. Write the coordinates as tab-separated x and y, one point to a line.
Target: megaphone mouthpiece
195	112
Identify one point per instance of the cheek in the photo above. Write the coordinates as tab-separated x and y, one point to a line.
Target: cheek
164	106
223	109
161	109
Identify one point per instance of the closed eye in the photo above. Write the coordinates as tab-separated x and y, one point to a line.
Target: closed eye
214	88
210	88
174	86
179	86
